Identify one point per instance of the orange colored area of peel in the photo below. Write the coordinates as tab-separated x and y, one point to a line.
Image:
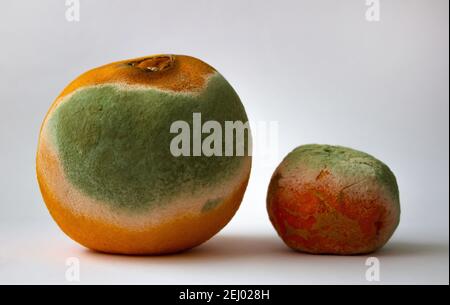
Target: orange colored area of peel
315	218
173	73
172	235
179	74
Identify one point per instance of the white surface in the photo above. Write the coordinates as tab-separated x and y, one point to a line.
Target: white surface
237	256
315	66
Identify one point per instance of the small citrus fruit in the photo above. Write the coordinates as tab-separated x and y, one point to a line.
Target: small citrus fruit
333	200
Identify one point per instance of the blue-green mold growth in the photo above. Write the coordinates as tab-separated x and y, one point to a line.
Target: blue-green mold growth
344	162
114	144
211	204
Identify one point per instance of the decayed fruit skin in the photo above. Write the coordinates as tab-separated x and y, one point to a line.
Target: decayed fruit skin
104	164
333	200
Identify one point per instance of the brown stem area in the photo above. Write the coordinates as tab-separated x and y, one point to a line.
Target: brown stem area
155	63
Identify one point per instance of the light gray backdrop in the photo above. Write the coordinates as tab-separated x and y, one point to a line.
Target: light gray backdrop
318	67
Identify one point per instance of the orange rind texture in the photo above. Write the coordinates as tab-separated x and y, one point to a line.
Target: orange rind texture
105	169
333	200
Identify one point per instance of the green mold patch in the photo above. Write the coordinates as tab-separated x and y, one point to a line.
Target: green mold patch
114	143
211	204
343	162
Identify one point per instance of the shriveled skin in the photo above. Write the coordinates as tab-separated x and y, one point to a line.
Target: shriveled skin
333	200
104	164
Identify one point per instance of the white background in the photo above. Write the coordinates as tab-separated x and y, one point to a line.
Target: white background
317	67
